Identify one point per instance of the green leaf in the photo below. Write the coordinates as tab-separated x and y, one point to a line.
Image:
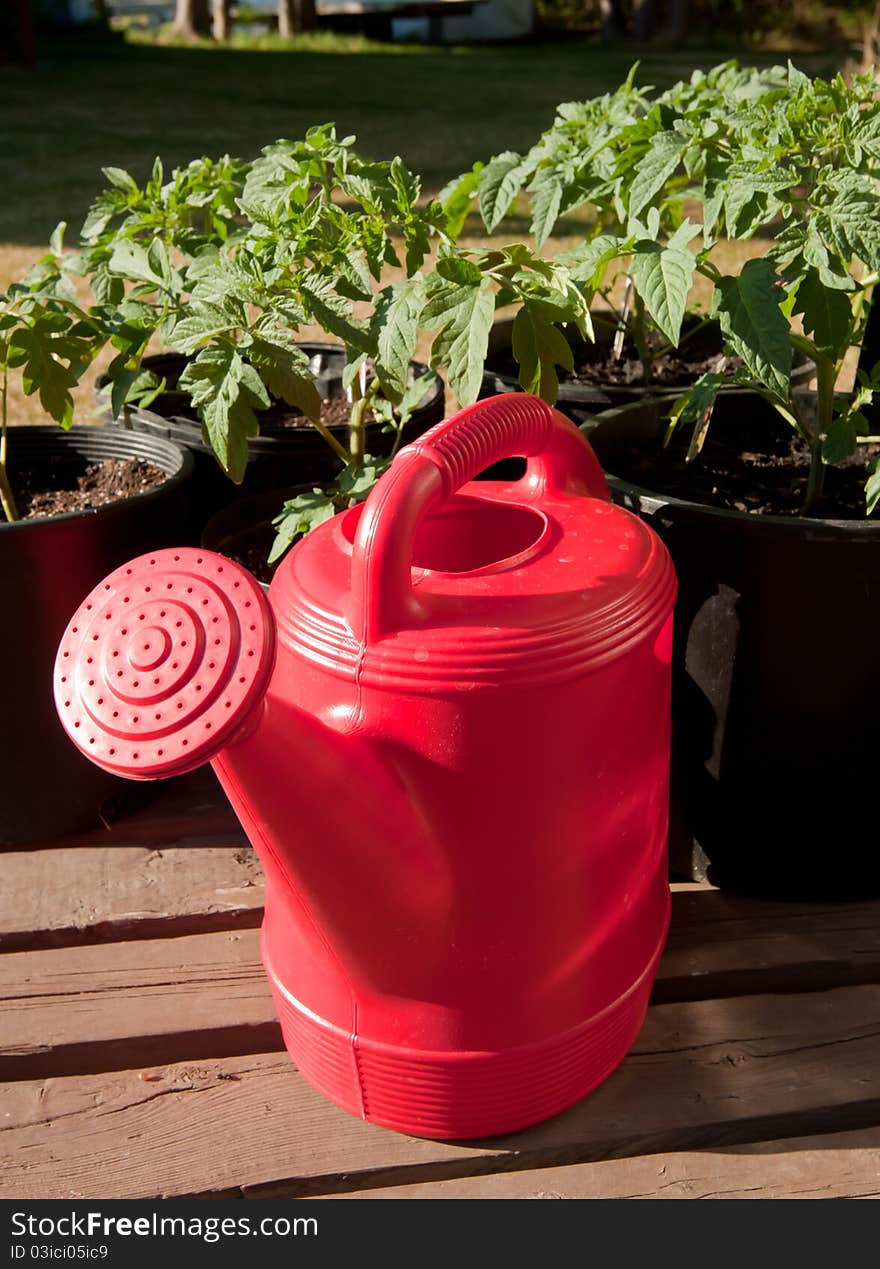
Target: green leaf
653	170
352	368
693	405
546	201
123	381
157	257
396	328
850	224
589	262
499	183
285	372
841	438
827	315
203	322
663	277
334	313
300	515
872	487
417	236
455	267
414	396
56	242
748	189
456	199
406	184
464	315
36	349
754	325
130	260
225	391
121	179
357	480
539	347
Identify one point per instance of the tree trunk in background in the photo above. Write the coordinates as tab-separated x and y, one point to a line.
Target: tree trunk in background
676	27
643	19
102	13
295	16
613	19
24	51
220	19
191	18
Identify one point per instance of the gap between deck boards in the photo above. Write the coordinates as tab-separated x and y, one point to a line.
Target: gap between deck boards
702	1075
103	1007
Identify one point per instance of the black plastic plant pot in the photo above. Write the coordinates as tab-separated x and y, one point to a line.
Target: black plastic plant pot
244	531
47	789
280	455
580	401
776	734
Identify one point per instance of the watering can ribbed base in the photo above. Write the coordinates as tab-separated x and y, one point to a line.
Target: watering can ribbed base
451	1095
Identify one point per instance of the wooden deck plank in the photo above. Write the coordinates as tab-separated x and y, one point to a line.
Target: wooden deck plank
59	898
74	1010
704	1074
181	864
60	1000
835	1165
726	945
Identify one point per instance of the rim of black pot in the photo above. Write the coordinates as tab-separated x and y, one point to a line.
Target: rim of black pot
434	390
724	515
175	460
802	367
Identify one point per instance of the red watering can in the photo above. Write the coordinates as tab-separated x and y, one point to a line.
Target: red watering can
446	734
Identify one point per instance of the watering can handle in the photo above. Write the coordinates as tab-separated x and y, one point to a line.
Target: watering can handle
431	469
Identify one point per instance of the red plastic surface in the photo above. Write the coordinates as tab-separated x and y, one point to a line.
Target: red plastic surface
457	782
162	661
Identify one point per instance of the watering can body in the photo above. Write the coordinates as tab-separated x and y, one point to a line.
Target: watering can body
446	733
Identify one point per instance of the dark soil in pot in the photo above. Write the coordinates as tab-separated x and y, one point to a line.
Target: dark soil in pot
47	565
601	380
751	461
54	489
775	741
244	531
288	450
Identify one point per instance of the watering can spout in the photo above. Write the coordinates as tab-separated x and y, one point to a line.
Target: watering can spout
168	665
164	663
339	835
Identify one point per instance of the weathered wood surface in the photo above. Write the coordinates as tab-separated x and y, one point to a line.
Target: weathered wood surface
141	1055
725	945
75	1009
56	898
107	1007
177	867
98	1004
704	1074
835	1165
182	865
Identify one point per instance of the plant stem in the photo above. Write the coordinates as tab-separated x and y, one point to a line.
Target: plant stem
362	395
826	375
325	433
358	431
816	478
7	499
356	440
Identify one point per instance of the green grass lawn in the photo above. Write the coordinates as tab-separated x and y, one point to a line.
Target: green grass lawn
92	104
88	105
